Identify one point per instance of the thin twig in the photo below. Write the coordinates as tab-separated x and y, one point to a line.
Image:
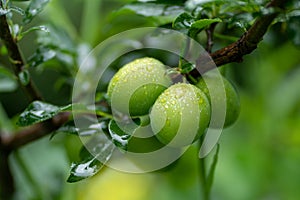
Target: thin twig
210	35
16	56
245	45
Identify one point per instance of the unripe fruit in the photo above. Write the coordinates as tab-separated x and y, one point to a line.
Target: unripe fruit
133	138
141	147
143	141
180	115
149	154
232	100
136	86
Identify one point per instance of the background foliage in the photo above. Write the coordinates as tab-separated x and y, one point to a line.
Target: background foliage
259	155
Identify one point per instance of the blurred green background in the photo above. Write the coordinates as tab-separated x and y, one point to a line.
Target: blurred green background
259	155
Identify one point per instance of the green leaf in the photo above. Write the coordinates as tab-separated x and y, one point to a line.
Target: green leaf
24	77
68	127
84	169
93	157
41	55
242	21
8	82
203	23
34	8
189	25
17	10
120	136
35	28
212	169
186	68
183	22
200	25
150	9
4	11
57	40
37	112
93	128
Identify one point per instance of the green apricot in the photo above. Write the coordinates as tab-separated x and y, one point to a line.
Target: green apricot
180	115
148	151
134	138
232	99
135	87
143	141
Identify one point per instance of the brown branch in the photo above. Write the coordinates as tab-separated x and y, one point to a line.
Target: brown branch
6	180
209	34
16	57
245	45
19	139
34	132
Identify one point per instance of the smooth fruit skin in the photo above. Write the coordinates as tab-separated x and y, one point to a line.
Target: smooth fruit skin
180	115
135	87
143	141
232	98
146	152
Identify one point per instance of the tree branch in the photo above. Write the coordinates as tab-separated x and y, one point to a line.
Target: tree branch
210	34
16	57
245	45
34	132
6	180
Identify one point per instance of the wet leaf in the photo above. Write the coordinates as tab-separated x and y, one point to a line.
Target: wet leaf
35	28
200	25
69	128
41	55
16	31
37	112
94	128
119	136
151	9
84	169
183	22
93	157
17	10
186	68
24	77
203	23
8	82
4	11
189	25
34	8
